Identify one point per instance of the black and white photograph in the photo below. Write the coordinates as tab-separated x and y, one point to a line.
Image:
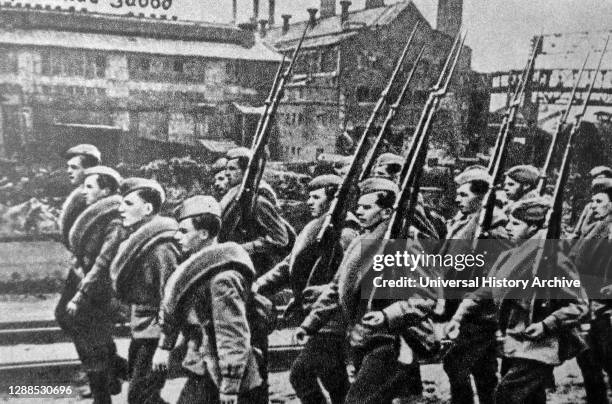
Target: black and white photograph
306	201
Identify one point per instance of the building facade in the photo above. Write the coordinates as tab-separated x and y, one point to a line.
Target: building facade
139	88
346	60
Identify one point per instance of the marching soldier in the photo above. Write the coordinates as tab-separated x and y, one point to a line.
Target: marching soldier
475	350
531	348
266	237
84	308
520	182
139	271
388	165
381	334
585	221
426	223
208	299
323	356
79	158
591	254
221	184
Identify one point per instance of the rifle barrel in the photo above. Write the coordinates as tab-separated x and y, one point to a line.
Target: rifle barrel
382	100
414	142
391	114
562	120
552	222
496	164
337	206
413	167
268	101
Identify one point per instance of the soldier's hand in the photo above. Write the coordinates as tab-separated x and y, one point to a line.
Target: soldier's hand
301	336
535	330
161	359
606	290
228	398
374	319
255	287
452	329
71	308
351	372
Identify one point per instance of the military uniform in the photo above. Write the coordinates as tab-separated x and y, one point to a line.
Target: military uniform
265	236
474	352
207	299
591	254
93	239
139	272
380	376
585	222
528	363
377	353
426	223
323	357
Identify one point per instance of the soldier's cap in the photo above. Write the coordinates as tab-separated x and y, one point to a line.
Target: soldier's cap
473	173
389	158
475	167
323	181
219	165
601	185
84	150
377	184
601	170
531	210
343	162
238	152
524	174
196	206
104	170
133	184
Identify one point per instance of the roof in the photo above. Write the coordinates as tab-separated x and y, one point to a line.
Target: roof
156	27
317	41
329	26
116	43
217	146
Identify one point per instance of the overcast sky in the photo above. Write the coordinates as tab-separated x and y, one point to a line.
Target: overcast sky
499	30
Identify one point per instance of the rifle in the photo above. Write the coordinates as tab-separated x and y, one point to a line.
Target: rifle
413	167
335	215
498	158
268	101
247	193
552	222
393	108
562	120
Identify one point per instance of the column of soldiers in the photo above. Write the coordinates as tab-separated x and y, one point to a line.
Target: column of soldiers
196	285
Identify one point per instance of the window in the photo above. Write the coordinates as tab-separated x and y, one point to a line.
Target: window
45	63
320	150
178	66
100	65
144	64
293	150
329	59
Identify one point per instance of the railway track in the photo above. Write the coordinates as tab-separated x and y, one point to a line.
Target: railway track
48	334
